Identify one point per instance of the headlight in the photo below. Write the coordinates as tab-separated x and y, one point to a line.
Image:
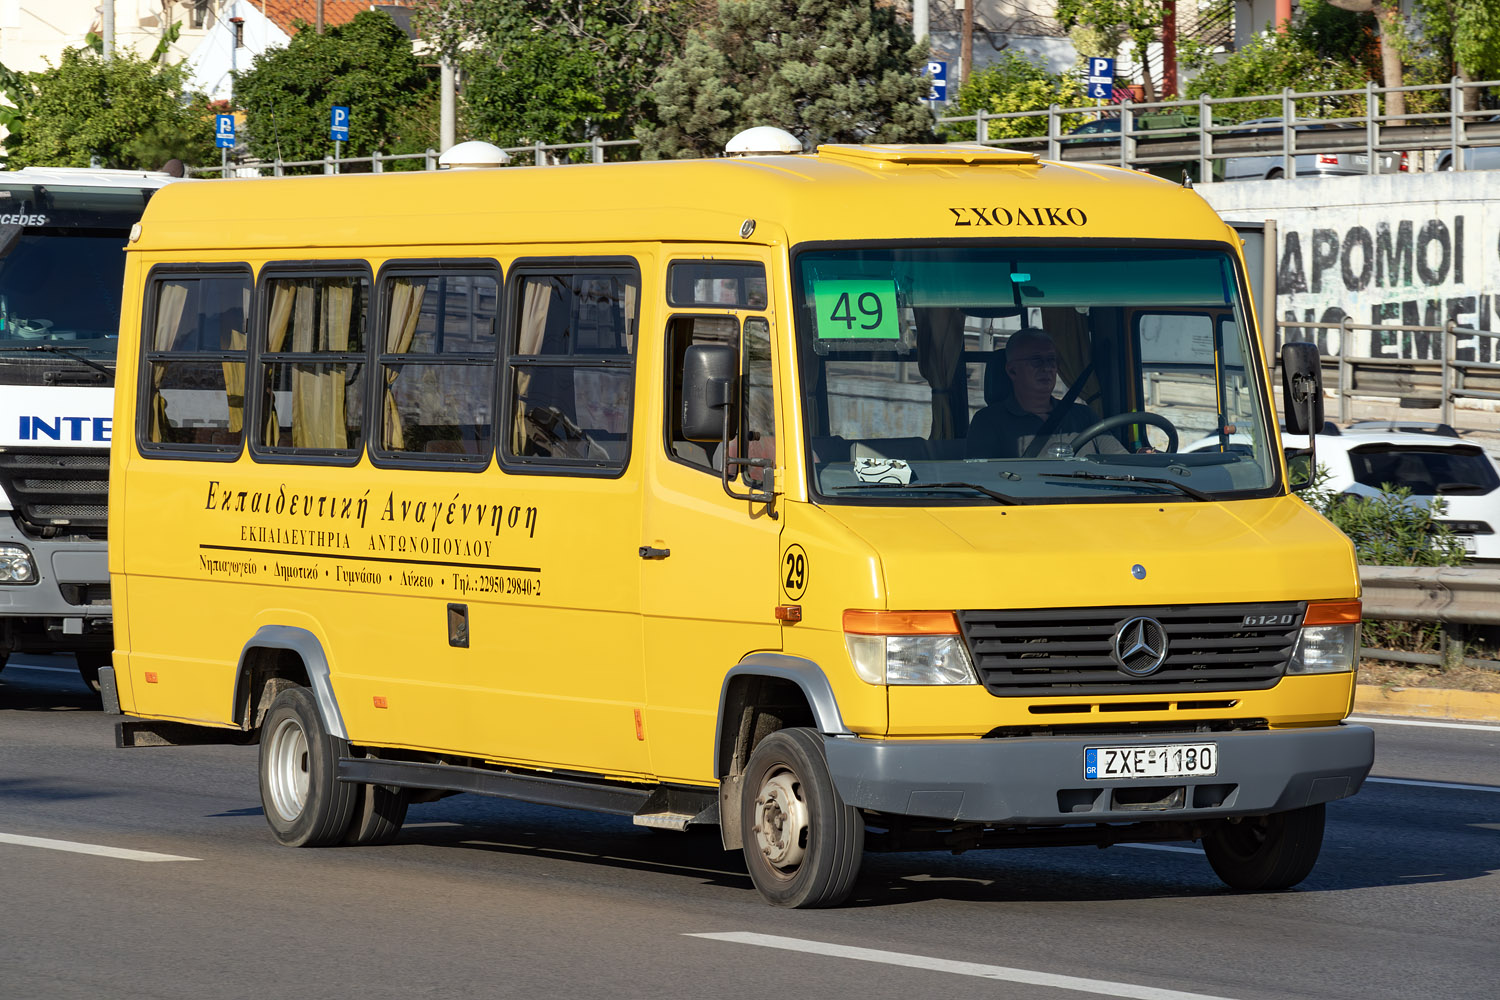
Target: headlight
907	647
16	565
1329	643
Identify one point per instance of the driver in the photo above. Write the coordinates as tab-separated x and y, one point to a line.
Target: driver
1006	427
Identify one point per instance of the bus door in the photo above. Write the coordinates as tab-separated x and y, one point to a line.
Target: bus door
708	587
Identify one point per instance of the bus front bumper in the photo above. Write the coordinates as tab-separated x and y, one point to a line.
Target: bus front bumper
1039	781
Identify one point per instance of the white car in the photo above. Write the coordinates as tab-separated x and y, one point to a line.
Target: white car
1431	460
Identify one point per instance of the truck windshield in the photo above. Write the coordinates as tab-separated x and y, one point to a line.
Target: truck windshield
987	374
62	264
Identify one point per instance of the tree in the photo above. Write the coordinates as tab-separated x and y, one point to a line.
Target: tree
1009	84
1462	38
128	112
1107	24
824	70
366	65
1389	25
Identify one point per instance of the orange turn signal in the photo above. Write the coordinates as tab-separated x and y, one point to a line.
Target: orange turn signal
900	623
1332	613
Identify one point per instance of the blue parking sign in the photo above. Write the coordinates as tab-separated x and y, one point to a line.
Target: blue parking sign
338	123
937	89
1101	78
224	131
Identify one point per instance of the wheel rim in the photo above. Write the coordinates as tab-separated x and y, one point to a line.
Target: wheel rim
781	821
286	769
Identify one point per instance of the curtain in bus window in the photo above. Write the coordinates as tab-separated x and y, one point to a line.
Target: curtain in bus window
318	391
277	326
940	345
234	371
406	313
535	305
1069	330
170	302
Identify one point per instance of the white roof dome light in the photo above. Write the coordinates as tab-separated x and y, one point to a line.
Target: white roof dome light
473	155
763	140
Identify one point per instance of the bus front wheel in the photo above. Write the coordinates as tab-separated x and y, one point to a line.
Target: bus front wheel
1262	853
304	802
803	845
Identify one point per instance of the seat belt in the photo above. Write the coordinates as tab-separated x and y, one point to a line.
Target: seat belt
1055	417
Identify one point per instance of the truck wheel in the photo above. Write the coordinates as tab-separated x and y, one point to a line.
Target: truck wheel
803	844
304	802
1261	853
89	665
379	811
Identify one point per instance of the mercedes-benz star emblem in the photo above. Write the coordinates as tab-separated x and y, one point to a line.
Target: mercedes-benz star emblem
1140	646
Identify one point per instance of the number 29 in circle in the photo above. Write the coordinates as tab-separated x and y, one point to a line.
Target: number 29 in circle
794	572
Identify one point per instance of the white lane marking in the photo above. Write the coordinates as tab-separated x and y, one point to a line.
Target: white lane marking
1422	722
98	849
1101	986
1436	784
1164	847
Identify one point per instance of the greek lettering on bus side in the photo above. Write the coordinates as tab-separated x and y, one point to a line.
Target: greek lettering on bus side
1035	215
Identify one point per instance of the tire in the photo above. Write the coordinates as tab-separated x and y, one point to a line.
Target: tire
1263	853
379	811
304	802
89	665
1275	174
803	844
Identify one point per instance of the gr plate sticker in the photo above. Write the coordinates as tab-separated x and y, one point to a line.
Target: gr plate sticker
858	309
794	572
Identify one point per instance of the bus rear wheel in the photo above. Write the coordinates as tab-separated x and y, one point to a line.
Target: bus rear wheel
803	844
304	802
1264	853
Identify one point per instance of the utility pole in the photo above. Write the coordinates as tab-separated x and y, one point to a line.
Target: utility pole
1169	49
920	25
109	28
319	25
447	85
966	44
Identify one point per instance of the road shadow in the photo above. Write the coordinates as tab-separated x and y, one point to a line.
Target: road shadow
33	687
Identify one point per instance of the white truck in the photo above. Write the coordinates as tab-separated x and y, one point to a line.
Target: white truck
62	238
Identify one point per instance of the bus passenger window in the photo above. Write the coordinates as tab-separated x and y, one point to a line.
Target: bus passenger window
437	364
312	396
571	369
195	361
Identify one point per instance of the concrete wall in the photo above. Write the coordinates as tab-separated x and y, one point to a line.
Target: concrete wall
1419	249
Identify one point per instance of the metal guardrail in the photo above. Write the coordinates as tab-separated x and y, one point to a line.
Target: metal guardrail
1453	596
1209	140
542	154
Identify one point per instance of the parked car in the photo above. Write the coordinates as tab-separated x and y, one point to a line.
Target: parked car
1431	460
1107	130
1267	166
1475	157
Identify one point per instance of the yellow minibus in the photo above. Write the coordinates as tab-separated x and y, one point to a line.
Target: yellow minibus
843	500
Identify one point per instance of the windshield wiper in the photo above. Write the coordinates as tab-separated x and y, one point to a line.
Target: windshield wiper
1185	489
66	352
1004	498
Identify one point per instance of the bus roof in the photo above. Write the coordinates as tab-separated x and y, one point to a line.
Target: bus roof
839	193
87	177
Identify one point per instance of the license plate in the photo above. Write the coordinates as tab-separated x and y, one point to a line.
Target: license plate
1467	541
1361	159
1177	760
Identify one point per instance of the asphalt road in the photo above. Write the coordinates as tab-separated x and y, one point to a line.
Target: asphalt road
484	898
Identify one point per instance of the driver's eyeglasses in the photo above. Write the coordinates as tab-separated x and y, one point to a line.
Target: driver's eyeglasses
1041	361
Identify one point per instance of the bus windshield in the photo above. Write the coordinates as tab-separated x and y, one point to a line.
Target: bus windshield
988	374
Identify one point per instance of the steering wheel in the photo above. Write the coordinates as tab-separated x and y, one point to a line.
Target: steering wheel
1124	420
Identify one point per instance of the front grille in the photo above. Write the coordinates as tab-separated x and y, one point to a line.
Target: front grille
1070	651
57	488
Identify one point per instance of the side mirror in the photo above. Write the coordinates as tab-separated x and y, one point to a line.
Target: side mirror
708	374
1299	469
1302	387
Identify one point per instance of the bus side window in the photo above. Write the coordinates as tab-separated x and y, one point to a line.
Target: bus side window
194	361
682	333
313	370
758	398
437	366
571	367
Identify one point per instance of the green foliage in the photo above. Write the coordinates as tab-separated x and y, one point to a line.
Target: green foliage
1447	38
129	112
1100	27
366	65
563	71
1010	84
1389	529
824	70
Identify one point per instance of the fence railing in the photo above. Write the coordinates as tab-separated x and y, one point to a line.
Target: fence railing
542	154
1454	596
1207	140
